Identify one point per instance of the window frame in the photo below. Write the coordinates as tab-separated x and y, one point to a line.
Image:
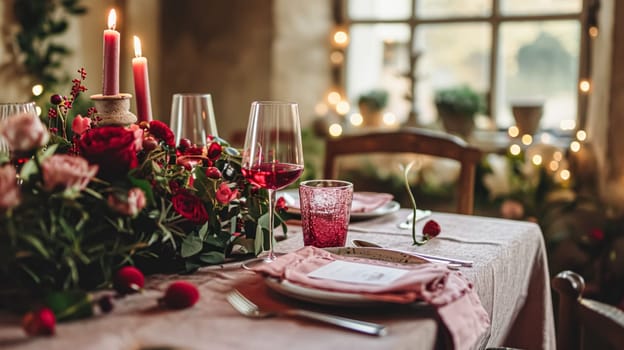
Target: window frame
496	18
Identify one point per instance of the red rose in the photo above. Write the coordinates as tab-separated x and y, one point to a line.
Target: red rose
281	205
190	207
162	132
214	151
113	148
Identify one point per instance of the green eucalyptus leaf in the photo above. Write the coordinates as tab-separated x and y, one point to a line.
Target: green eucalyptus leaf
191	245
69	305
212	258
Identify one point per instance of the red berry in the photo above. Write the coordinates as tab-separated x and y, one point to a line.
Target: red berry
56	99
40	322
184	144
128	280
180	295
431	229
213	172
149	144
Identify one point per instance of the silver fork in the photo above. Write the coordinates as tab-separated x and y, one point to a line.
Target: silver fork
249	309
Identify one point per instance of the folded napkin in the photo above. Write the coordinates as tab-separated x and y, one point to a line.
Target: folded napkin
448	291
363	202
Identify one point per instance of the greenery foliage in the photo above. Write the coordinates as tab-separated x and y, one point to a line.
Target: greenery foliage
460	100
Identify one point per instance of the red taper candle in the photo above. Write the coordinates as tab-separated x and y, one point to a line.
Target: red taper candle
110	78
141	84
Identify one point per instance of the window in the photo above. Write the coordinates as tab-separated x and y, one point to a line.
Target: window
511	51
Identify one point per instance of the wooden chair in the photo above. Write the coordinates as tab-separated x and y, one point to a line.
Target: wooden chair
411	140
583	321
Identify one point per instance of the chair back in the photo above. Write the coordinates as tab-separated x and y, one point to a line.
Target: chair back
411	140
584	321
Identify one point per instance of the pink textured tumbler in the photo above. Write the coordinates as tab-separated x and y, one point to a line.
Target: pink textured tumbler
325	212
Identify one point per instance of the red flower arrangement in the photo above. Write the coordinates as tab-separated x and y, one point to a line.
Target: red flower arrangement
92	199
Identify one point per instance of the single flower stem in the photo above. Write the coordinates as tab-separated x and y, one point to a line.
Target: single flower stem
412	200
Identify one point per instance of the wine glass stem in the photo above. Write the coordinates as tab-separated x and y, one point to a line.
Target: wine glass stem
271	255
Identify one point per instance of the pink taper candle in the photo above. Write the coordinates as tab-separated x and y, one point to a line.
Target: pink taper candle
141	84
110	79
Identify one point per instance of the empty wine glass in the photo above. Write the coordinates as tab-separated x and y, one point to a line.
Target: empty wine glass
192	122
272	155
8	110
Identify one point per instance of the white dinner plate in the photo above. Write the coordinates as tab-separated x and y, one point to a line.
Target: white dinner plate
292	196
326	297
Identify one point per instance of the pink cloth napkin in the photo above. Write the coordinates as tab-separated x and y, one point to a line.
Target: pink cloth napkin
448	291
364	202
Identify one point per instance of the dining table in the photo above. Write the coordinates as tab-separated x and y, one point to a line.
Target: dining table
509	273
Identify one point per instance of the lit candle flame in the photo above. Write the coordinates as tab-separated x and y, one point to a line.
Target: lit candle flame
112	19
137	47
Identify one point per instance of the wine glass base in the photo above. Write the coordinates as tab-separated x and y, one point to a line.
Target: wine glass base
249	265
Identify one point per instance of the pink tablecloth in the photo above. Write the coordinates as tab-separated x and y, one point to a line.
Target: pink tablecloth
510	276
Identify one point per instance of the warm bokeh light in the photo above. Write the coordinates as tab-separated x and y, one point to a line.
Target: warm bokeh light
513	131
333	98
341	38
581	135
537	159
565	174
321	108
546	138
553	165
389	118
336	57
343	107
356	119
335	130
38	110
527	139
567	124
37	89
575	146
515	149
593	31
112	19
558	156
584	85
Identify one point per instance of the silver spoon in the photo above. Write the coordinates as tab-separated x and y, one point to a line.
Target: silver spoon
451	263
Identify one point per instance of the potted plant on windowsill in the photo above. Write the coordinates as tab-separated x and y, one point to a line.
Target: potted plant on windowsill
457	107
371	105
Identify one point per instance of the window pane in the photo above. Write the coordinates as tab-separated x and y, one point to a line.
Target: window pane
453	8
377	58
523	7
379	9
452	54
539	61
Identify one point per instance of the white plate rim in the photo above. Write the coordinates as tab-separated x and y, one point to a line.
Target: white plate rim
388	208
335	298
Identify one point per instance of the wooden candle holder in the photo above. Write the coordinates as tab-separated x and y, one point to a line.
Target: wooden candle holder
113	110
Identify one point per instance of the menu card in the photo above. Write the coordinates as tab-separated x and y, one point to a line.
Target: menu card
351	272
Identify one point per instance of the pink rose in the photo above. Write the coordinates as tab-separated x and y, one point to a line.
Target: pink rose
138	134
225	194
24	132
81	124
9	190
131	205
67	172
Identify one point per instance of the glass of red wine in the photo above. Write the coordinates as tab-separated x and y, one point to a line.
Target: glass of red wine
272	155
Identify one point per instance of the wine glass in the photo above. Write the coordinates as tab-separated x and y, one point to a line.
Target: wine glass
8	110
192	122
272	155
